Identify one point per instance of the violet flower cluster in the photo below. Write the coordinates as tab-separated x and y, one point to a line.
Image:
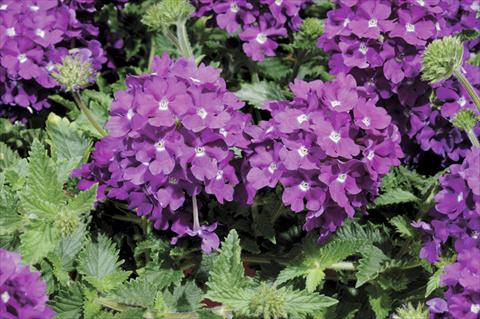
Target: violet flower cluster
381	43
328	148
171	135
22	292
259	23
456	217
34	36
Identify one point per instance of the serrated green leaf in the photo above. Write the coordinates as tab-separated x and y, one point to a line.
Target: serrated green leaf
62	101
402	225
68	147
43	193
38	241
434	280
380	302
184	298
68	303
10	220
369	265
259	92
274	68
99	263
313	278
396	196
69	247
299	303
8	157
83	202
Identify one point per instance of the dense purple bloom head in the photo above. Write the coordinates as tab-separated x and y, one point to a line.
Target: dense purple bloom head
381	43
327	148
35	35
22	292
171	135
258	23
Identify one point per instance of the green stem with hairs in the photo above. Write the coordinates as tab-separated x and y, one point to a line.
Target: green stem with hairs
151	53
254	259
183	42
473	138
468	87
79	101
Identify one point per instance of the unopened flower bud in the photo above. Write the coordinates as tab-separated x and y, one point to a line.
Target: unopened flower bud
166	13
409	311
441	59
75	72
465	120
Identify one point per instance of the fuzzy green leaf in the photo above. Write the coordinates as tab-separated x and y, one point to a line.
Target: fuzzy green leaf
69	148
299	303
68	303
396	196
402	225
37	241
184	298
259	92
83	202
370	264
8	157
100	263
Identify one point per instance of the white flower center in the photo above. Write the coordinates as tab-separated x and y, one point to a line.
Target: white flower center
34	8
475	308
462	101
475	6
195	80
146	163
202	113
130	114
366	121
421	2
341	178
363	48
370	155
302	151
22	58
335	137
475	234
346	22
219	175
270	129
372	23
50	66
40	33
460	197
223	132
234	7
199	151
261	38
160	146
173	180
410	27
278	2
163	104
302	118
10	32
335	103
304	186
5	297
437	26
3	7
272	168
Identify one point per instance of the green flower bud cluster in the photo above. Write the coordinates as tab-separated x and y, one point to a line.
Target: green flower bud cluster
408	311
167	13
269	303
310	30
441	59
67	223
466	120
74	73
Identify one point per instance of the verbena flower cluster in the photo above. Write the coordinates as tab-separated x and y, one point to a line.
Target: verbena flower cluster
381	43
22	292
456	217
328	148
171	136
259	23
34	36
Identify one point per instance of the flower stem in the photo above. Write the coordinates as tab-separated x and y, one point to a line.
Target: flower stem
196	219
256	259
151	54
468	87
79	101
183	42
473	138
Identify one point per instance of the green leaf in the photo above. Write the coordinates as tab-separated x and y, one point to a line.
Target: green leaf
314	278
37	241
434	280
299	303
402	225
274	68
69	247
184	298
68	147
259	92
43	192
380	302
7	156
100	263
396	196
370	265
83	202
68	303
10	220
